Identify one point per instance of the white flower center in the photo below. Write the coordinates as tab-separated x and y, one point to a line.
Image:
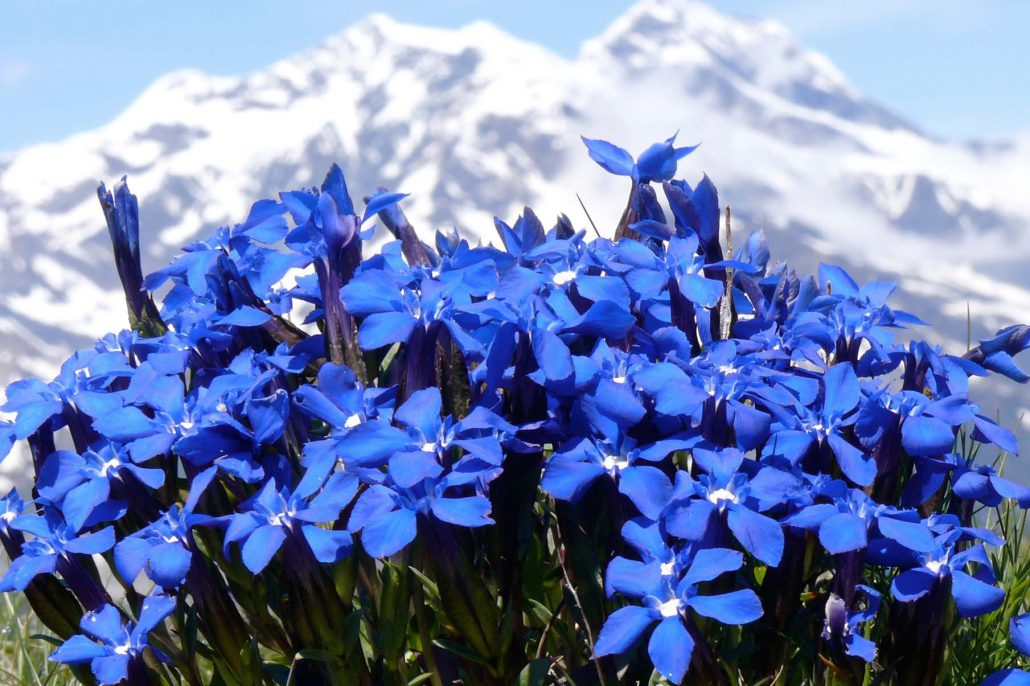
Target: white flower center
935	566
428	447
109	465
562	278
619	379
122	649
186	424
670	608
728	369
667	568
352	421
614	463
720	495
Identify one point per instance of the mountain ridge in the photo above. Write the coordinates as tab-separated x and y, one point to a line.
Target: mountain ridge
475	122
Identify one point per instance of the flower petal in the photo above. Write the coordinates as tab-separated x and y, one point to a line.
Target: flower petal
261	546
760	535
671	648
737	607
622	629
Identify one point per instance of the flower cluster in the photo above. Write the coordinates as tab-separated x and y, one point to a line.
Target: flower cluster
559	455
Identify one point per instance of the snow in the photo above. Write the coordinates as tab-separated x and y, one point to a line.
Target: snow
474	122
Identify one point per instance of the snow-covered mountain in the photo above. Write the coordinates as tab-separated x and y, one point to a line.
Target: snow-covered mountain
474	122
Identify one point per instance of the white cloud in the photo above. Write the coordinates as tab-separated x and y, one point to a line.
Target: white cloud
13	72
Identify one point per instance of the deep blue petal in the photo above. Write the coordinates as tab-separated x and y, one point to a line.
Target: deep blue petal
699	290
855	464
384	328
913	535
621	630
472	511
648	488
843	532
842	390
974	597
130	557
168	564
921	435
913	584
78	649
737	607
670	649
92	544
1019	633
261	546
710	563
410	468
328	546
110	669
389	533
568	479
421	411
155	608
760	535
690	519
632	578
611	157
857	645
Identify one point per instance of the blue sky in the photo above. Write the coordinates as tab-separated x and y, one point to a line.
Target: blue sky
955	68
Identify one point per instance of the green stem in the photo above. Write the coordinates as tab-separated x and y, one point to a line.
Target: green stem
423	634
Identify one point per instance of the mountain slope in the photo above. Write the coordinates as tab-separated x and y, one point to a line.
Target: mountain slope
474	122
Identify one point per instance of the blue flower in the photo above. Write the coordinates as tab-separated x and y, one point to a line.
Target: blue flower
1019	633
52	542
723	497
974	594
996	354
842	626
266	519
81	484
983	484
657	163
665	602
164	549
424	480
121	211
115	649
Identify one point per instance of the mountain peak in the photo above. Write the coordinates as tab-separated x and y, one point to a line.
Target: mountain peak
713	50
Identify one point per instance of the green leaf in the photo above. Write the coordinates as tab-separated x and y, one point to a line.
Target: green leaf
432	591
394	614
535	672
461	651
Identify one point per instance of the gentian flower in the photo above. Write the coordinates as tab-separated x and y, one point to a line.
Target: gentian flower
842	626
666	601
984	485
53	542
164	549
424	480
724	496
121	210
996	353
974	594
115	650
657	163
265	520
81	484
